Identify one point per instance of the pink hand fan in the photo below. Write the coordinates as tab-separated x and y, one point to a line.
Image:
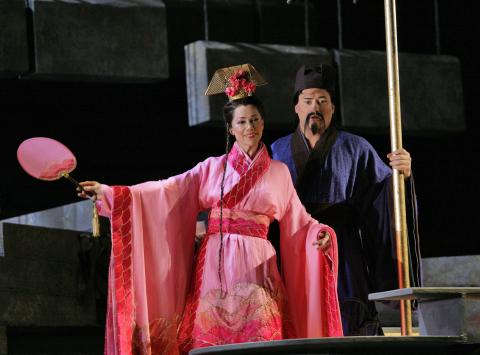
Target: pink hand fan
48	159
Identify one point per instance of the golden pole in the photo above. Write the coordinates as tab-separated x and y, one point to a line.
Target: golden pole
398	179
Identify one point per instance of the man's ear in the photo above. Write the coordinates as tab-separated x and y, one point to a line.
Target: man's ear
296	109
333	108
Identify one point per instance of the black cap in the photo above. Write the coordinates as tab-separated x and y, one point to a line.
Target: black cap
322	76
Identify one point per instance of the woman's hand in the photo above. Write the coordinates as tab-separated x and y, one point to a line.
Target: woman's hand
323	241
91	190
401	160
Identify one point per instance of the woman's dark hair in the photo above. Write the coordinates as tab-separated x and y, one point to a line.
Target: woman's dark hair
230	107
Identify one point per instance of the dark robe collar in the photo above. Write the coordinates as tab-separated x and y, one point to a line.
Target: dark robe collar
307	159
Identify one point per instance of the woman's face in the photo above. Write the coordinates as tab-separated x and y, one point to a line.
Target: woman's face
247	127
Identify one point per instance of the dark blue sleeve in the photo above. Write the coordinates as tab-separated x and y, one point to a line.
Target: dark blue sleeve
374	202
378	227
282	151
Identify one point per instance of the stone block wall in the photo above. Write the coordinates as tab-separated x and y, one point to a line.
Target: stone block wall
119	40
431	86
451	271
431	91
276	63
41	279
13	38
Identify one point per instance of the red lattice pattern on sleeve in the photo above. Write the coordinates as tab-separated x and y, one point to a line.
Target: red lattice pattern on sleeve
334	327
332	323
122	268
185	339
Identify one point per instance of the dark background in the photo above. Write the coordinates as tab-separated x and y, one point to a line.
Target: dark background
126	133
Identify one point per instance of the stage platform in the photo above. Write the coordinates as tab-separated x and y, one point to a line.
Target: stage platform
442	311
366	345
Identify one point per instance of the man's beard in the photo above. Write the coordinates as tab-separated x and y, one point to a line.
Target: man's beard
313	126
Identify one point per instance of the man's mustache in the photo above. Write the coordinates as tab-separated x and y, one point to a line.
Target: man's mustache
315	113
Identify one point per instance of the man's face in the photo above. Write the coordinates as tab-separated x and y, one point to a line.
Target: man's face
315	106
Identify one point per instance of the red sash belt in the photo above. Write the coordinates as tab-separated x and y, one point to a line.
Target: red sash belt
238	222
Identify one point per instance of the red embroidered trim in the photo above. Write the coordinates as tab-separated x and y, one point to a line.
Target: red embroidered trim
122	268
248	178
334	322
186	329
237	160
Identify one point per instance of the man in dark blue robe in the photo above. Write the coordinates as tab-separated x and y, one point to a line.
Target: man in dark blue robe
342	182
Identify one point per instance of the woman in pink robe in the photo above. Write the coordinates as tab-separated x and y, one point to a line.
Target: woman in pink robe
163	299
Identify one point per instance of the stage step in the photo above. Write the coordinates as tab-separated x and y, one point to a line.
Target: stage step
442	311
369	345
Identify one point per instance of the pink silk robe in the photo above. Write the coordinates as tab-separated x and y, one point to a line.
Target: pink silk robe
163	300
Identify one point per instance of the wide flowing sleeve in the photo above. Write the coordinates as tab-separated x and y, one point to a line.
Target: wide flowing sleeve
153	230
378	232
373	200
310	275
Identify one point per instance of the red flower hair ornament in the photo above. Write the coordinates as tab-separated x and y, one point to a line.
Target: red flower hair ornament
236	82
240	85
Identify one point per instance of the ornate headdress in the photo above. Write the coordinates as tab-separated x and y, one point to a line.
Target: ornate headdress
236	82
